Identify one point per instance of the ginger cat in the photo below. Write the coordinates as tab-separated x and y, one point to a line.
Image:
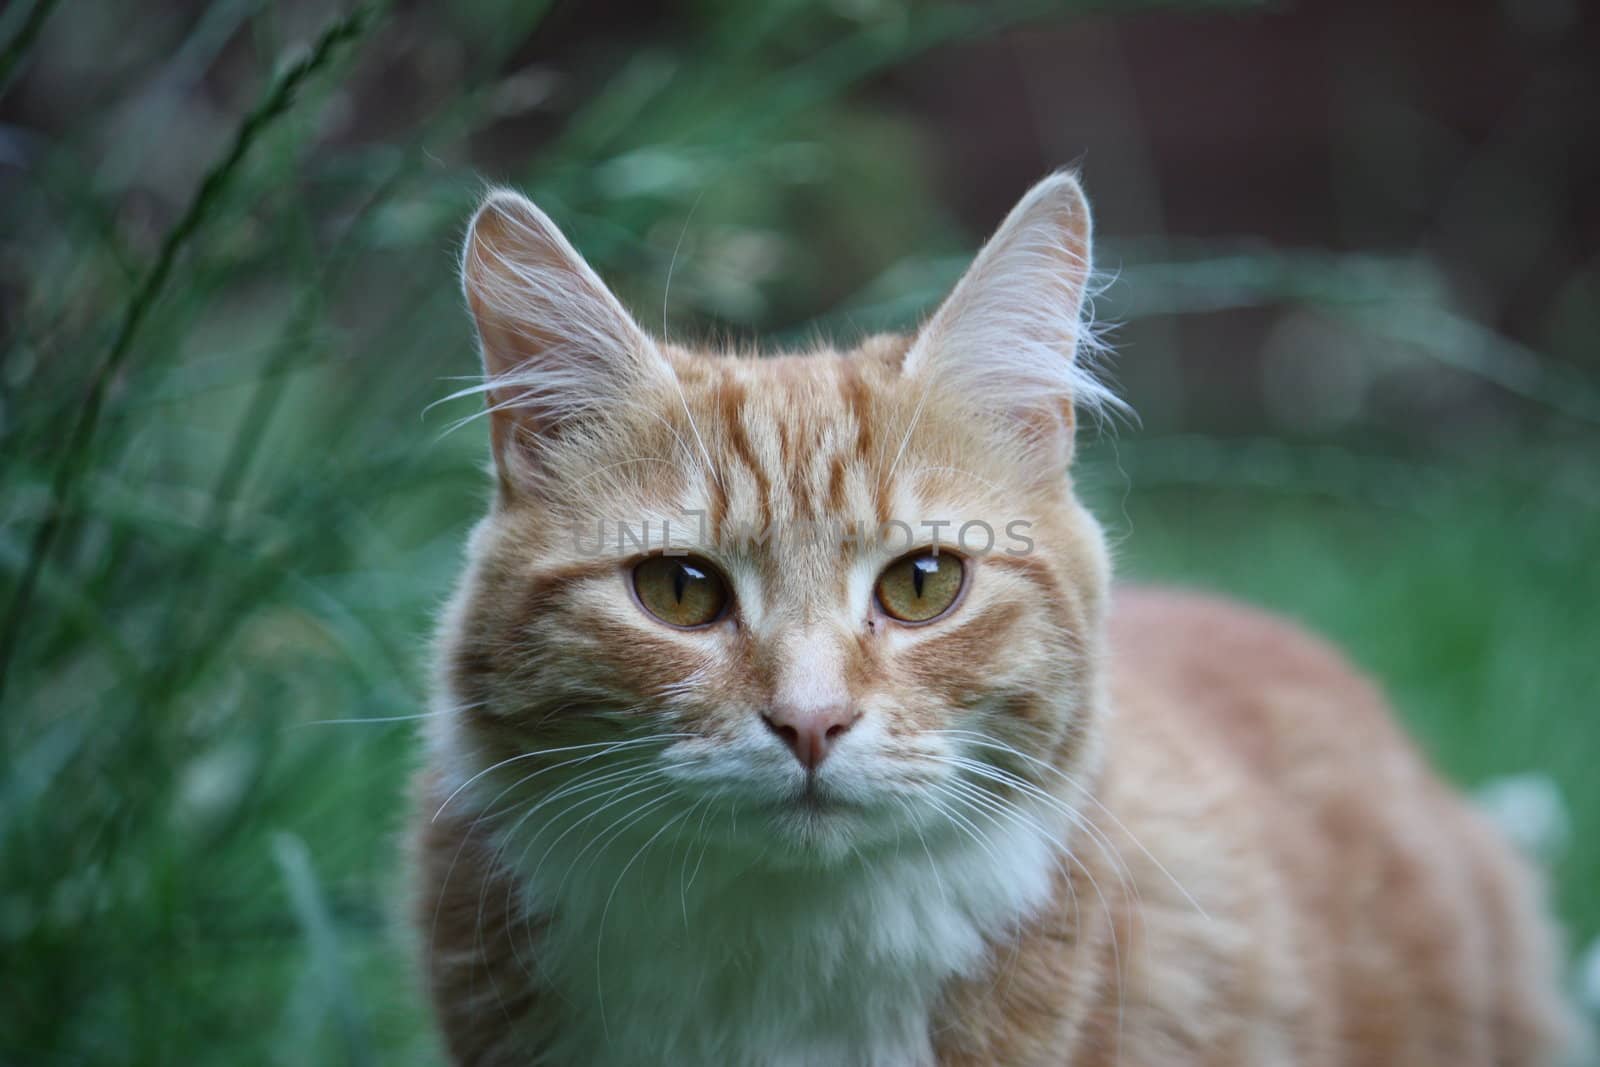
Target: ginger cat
787	716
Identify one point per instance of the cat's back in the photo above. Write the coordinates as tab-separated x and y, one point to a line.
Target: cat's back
1281	704
1349	893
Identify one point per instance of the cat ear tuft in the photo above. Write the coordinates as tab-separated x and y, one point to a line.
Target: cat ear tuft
557	344
1011	338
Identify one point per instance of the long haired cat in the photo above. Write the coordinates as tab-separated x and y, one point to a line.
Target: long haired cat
787	717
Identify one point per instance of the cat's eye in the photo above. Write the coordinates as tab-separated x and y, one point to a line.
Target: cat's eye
920	587
683	591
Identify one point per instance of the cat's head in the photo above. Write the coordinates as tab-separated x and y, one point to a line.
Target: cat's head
838	593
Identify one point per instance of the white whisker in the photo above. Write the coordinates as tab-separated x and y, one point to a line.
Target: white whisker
985	741
609	746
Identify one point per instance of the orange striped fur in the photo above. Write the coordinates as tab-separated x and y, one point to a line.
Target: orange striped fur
1061	824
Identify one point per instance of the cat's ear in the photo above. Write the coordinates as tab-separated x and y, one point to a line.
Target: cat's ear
1010	339
557	345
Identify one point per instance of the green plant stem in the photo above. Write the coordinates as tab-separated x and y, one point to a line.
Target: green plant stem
17	48
277	100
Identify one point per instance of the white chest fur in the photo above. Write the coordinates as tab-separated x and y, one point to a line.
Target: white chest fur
670	958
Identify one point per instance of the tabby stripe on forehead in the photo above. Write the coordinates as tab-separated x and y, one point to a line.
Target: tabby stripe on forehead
727	405
799	481
716	486
730	399
858	398
836	501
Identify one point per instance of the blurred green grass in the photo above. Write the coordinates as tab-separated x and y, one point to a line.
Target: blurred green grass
207	727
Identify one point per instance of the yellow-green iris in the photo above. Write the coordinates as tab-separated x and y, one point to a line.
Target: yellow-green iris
920	587
681	591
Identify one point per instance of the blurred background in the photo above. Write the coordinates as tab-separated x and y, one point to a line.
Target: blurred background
1351	251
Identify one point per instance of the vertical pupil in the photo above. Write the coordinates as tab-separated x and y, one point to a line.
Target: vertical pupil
680	581
920	569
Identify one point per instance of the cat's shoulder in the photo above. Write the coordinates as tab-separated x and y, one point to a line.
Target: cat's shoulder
1259	684
1170	628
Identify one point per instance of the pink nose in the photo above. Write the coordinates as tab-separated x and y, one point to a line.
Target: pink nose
812	732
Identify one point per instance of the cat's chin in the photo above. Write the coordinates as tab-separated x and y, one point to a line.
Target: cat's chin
812	841
814	826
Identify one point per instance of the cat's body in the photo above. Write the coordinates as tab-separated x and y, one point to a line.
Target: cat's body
830	821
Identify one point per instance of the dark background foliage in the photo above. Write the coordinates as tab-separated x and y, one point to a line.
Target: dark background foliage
1351	254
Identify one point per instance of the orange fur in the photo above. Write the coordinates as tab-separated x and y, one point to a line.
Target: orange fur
1356	911
1158	828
